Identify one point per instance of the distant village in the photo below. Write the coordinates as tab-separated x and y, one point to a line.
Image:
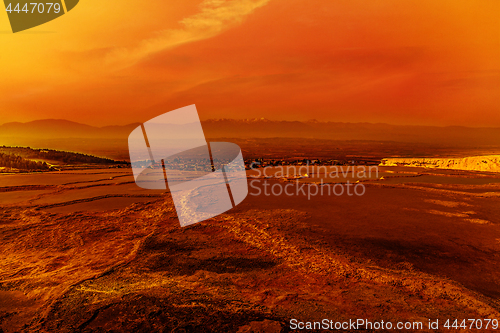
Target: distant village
262	163
205	165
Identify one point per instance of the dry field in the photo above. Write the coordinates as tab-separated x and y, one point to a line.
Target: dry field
89	251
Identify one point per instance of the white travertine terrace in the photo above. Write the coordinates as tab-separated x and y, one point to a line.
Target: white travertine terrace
489	163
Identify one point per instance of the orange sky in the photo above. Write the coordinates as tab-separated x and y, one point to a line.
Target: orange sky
401	62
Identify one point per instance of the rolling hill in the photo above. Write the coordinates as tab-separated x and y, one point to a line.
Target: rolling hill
263	128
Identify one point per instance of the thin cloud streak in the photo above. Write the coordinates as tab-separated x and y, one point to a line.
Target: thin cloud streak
215	17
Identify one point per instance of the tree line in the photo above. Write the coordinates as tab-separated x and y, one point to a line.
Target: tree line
56	155
17	162
70	158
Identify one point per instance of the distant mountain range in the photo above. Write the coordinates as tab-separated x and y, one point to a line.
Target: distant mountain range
59	128
261	128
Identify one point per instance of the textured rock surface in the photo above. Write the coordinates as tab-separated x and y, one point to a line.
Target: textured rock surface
399	253
489	163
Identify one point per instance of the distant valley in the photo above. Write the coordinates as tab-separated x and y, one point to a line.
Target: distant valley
281	139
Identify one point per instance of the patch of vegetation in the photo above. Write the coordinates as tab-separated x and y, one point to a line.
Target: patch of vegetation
17	162
30	159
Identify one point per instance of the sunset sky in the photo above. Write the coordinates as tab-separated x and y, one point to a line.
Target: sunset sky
117	62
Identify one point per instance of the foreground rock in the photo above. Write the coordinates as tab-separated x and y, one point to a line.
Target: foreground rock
137	270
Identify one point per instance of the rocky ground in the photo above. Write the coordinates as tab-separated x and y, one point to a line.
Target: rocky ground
252	269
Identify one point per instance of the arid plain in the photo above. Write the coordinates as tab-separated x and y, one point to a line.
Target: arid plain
86	250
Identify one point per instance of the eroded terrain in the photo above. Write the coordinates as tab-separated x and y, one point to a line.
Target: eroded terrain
405	251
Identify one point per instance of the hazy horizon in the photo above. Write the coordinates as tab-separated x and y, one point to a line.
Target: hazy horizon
251	120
